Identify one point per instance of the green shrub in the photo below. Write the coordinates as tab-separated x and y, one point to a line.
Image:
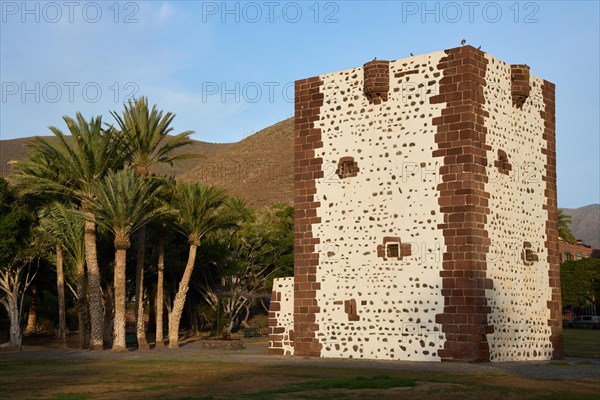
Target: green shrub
580	281
260	321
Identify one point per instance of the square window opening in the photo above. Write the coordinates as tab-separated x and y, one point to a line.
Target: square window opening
393	250
347	168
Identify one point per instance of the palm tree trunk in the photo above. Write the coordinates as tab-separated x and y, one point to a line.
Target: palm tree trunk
109	313
31	326
159	293
151	302
119	281
81	306
139	289
94	292
60	288
175	314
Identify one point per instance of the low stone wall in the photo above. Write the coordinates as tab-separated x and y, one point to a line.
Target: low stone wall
219	344
281	317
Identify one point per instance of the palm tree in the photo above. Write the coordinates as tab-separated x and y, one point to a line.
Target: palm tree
122	203
564	227
160	294
147	132
68	167
164	224
64	226
60	289
199	210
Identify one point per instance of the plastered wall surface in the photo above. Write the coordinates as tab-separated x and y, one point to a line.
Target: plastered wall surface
516	222
393	195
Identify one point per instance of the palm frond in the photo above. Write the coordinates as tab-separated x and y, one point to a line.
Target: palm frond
564	227
67	166
123	202
147	133
201	209
65	225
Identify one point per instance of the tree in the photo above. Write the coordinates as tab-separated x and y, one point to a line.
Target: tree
199	210
15	258
15	278
283	264
261	248
580	282
564	227
63	224
159	293
122	203
235	293
247	259
147	132
32	322
69	167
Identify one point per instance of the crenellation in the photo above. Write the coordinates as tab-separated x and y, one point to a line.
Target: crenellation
520	84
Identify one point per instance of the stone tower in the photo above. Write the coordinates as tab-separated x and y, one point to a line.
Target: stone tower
425	214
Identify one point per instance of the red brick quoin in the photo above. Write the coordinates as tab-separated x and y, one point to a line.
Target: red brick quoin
461	140
307	168
555	321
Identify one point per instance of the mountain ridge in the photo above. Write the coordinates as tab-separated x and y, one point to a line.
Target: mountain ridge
258	168
585	224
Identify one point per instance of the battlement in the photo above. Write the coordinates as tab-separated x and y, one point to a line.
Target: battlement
520	88
376	81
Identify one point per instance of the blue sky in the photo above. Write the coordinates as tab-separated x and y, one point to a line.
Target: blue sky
227	69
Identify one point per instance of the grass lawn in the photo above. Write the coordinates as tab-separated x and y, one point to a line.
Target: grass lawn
114	379
176	379
582	343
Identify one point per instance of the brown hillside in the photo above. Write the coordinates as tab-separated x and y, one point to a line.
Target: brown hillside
13	149
585	224
258	169
204	149
16	149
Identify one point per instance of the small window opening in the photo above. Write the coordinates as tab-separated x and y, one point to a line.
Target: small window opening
392	250
347	168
